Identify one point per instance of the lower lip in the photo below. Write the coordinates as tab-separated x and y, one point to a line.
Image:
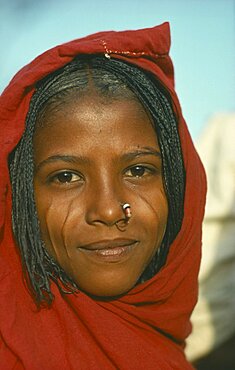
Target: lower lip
116	254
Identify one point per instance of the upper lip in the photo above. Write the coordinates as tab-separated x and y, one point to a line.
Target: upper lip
108	244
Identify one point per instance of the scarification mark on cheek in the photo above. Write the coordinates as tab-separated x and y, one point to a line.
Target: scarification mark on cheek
65	228
54	230
156	210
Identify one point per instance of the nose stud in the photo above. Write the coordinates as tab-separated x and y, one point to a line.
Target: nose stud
127	211
122	223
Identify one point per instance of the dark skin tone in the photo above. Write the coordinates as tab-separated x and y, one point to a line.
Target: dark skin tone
91	156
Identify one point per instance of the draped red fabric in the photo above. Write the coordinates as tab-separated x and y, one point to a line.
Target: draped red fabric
147	327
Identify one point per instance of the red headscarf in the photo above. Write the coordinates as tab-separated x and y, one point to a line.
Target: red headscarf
147	327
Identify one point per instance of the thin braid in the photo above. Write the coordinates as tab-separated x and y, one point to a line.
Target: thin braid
112	78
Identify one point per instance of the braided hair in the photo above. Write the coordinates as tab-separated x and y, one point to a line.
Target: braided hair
112	79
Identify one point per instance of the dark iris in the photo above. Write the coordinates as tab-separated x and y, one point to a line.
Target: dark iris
65	177
137	171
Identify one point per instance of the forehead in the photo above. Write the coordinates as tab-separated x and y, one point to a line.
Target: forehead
93	123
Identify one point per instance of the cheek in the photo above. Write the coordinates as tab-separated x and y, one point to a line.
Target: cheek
154	211
160	208
61	221
52	215
155	219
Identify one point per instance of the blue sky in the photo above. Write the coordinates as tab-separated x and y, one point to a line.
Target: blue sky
203	41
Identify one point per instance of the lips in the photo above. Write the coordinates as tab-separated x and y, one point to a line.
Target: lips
114	250
108	244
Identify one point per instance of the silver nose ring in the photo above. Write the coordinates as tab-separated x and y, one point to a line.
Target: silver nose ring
127	211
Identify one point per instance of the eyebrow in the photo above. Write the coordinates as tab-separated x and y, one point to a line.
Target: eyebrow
142	152
75	159
64	158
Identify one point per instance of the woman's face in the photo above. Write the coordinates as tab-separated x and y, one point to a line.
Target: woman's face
92	156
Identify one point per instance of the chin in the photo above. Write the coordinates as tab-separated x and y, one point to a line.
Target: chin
107	292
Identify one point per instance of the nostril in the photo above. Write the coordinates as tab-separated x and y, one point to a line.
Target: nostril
121	225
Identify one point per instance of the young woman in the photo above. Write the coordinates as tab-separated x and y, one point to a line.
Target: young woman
102	199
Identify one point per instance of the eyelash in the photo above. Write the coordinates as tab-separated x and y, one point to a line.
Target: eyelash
57	178
144	171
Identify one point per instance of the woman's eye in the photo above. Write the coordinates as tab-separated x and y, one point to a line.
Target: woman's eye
66	177
138	171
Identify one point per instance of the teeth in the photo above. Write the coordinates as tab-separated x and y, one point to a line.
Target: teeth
110	252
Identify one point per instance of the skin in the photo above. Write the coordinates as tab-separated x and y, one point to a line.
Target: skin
91	156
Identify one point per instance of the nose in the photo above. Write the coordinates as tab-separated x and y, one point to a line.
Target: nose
104	204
